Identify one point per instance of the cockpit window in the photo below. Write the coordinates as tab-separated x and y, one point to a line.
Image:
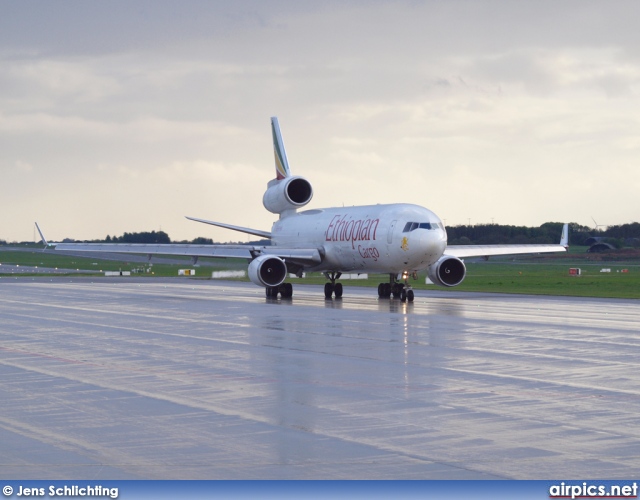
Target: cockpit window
411	226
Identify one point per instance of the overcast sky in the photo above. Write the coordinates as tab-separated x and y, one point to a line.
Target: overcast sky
128	115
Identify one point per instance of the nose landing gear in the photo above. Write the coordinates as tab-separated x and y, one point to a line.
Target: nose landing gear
402	291
285	290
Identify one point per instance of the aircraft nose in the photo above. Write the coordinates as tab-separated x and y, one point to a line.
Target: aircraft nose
441	241
433	242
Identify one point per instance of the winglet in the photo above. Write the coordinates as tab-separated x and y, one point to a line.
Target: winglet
282	164
44	240
564	239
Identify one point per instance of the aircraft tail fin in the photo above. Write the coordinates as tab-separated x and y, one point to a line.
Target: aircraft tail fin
282	164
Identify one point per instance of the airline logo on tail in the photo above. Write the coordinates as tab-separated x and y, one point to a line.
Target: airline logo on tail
282	165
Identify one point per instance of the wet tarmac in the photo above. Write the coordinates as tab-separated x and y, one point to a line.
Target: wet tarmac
127	378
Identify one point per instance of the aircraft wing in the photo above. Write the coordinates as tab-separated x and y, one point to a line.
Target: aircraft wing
223	251
298	255
462	251
303	256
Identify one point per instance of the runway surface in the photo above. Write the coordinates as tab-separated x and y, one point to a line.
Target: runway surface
129	378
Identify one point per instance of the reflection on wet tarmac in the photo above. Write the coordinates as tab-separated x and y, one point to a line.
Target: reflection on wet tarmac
202	380
333	303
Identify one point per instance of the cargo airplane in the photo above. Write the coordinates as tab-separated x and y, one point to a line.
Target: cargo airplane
398	240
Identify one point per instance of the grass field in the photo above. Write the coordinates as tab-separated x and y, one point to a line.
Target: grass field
53	260
549	276
553	279
533	278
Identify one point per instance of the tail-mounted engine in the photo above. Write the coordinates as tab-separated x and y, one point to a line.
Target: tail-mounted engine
448	271
287	194
267	270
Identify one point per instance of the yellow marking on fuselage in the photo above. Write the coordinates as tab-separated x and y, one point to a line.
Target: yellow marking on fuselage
405	244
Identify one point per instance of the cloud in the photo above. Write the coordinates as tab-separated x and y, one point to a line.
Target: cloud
132	114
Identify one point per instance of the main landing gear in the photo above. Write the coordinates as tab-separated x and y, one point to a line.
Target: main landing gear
285	290
333	287
400	291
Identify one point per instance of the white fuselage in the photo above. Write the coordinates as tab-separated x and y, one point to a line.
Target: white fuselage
366	239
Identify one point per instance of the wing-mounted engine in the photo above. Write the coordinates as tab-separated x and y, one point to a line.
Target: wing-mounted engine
267	270
448	271
285	194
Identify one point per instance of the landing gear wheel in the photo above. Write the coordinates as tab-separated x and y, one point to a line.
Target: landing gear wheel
272	292
333	287
399	290
286	290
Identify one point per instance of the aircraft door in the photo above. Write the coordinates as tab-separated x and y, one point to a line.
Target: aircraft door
390	233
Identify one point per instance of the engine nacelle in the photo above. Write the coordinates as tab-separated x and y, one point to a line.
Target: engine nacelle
286	194
267	270
448	271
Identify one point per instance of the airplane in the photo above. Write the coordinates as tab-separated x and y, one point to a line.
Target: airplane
398	240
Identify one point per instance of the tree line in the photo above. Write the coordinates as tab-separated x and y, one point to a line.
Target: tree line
549	232
162	237
143	237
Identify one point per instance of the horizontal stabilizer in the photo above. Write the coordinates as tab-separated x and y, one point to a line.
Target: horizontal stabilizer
255	232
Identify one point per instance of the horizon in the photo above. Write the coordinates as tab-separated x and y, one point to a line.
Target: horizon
250	240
